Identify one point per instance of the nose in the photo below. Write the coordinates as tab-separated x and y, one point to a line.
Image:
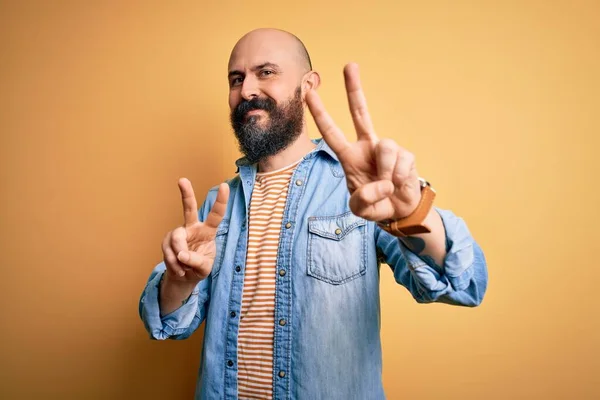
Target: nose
250	88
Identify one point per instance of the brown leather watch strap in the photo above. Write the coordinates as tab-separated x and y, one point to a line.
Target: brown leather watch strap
413	224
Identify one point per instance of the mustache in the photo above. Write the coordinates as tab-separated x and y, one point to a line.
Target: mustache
266	104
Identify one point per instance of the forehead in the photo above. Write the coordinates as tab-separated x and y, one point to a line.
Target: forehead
253	51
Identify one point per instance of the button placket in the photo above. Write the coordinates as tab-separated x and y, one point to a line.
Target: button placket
282	334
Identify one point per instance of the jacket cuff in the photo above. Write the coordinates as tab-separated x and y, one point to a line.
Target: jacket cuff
174	323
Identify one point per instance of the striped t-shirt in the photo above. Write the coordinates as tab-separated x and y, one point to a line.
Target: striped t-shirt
257	319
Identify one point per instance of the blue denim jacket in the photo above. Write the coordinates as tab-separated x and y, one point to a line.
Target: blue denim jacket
329	347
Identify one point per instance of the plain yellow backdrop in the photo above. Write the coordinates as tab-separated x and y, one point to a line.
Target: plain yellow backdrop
104	104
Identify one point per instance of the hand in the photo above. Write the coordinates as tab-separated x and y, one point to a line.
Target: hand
381	176
189	251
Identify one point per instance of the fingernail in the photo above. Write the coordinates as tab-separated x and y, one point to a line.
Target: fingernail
181	272
183	256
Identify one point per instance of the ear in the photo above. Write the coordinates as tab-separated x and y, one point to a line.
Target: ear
310	81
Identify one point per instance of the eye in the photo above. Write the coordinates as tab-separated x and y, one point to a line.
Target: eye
236	81
266	72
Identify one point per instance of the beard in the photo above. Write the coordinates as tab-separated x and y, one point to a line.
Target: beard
282	128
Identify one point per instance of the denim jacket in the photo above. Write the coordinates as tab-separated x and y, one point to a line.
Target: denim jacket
327	306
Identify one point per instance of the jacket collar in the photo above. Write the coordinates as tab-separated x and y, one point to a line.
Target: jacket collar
322	146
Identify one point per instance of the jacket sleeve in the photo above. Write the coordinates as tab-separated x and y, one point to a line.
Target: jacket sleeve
181	323
462	280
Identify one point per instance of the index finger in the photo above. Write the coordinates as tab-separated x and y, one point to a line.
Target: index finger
217	212
331	133
190	206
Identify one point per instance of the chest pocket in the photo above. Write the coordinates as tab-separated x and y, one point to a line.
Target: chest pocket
220	242
337	248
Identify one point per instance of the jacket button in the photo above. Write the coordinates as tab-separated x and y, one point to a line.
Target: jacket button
338	231
288	225
282	322
238	268
298	182
281	272
282	374
233	314
230	363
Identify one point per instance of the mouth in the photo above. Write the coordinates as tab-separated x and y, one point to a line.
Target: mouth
254	112
254	115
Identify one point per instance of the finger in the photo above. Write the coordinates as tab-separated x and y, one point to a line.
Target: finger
404	169
202	265
358	104
190	206
386	153
219	208
331	133
170	258
179	240
370	200
173	264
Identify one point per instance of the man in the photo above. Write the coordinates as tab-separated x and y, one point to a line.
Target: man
282	261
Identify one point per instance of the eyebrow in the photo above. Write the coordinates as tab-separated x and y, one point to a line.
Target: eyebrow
255	68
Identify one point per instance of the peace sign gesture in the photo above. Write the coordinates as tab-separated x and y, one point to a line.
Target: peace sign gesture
381	176
189	250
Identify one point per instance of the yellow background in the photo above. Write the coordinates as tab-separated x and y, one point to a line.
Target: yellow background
103	105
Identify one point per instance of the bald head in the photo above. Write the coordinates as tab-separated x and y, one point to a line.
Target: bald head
269	40
269	65
269	75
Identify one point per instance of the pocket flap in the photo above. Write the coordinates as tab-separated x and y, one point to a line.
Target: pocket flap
335	227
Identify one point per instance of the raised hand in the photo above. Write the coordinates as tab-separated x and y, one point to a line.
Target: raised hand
381	176
189	250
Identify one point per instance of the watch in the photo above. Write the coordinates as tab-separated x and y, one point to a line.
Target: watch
413	223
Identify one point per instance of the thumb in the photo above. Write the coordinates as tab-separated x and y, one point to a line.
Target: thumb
201	264
367	201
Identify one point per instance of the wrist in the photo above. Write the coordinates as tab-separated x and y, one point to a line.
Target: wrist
416	222
174	289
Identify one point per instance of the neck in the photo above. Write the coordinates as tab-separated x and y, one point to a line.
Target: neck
291	154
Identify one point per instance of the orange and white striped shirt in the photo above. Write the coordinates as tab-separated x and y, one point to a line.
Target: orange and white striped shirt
257	319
